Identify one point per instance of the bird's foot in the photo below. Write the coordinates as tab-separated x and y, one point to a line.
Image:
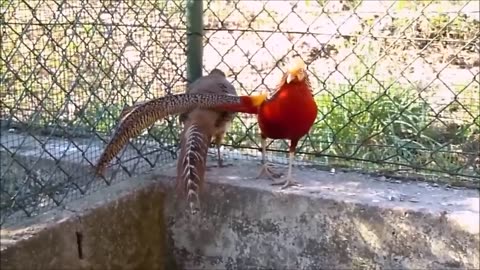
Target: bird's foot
220	164
223	165
288	182
268	172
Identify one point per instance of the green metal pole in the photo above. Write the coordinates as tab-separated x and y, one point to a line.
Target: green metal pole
194	39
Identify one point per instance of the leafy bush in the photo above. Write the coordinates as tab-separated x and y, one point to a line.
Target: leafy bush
393	126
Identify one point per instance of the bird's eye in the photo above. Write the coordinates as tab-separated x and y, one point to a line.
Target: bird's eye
301	75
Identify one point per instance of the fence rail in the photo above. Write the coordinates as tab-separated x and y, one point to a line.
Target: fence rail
396	83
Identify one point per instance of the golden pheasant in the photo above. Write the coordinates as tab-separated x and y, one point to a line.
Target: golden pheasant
288	114
200	127
134	119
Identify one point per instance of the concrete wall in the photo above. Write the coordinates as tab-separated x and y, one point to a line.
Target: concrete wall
336	222
121	228
341	220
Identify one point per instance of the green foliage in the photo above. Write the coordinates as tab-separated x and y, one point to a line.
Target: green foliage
445	26
438	26
385	118
392	125
167	131
243	133
349	4
98	116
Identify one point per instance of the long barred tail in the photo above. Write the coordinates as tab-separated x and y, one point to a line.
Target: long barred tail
135	119
247	104
191	165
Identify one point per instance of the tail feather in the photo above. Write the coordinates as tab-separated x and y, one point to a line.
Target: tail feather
128	109
140	116
191	164
248	104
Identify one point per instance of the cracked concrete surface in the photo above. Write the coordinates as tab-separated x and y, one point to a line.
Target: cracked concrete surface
342	220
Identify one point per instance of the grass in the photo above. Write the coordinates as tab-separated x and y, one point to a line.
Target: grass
385	127
374	117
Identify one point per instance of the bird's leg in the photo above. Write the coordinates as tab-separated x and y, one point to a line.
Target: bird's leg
219	156
266	169
289	180
218	143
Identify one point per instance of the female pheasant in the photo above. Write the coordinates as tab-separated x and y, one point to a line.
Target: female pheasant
200	127
133	120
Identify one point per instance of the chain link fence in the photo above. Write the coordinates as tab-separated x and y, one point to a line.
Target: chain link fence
396	83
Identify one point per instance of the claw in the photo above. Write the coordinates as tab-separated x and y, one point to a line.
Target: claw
220	161
288	182
224	165
218	165
268	172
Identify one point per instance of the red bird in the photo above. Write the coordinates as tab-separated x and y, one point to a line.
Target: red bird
288	114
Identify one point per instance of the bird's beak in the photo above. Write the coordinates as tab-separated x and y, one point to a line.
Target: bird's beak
291	77
295	70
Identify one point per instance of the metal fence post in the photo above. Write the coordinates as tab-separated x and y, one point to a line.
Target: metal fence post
194	39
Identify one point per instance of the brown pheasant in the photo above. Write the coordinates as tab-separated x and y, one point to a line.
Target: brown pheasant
213	83
200	127
134	119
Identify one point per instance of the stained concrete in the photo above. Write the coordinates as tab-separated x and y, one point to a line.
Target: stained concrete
341	220
121	227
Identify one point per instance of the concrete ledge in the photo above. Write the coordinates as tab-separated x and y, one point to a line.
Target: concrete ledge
121	227
340	221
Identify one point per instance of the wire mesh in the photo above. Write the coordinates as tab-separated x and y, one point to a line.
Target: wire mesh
68	69
396	83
